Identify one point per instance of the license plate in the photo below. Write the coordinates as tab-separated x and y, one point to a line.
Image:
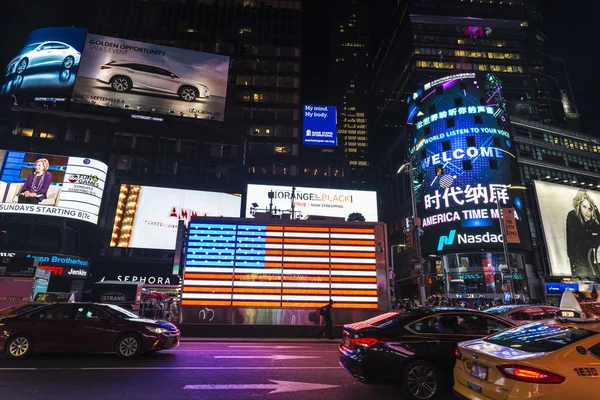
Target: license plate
479	371
474	387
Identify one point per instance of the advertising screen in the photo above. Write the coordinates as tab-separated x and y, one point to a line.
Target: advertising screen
464	166
46	66
571	224
46	184
319	126
275	265
312	201
147	216
146	77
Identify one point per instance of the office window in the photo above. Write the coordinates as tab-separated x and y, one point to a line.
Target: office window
471	141
446	145
467	165
493	163
478	119
458	102
450	123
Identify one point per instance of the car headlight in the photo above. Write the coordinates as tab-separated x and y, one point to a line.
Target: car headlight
157	329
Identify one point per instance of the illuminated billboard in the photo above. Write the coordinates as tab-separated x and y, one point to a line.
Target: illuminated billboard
319	125
276	265
312	201
571	224
147	216
146	77
46	66
46	184
464	166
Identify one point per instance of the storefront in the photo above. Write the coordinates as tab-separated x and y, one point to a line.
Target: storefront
68	273
161	291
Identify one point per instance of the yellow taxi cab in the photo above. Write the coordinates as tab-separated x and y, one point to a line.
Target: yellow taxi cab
546	360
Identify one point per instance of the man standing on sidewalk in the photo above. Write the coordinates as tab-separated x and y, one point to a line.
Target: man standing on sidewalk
325	311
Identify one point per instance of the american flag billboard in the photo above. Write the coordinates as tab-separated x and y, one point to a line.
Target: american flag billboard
280	265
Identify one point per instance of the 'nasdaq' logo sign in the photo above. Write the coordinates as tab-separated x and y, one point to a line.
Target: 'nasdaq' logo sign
446	240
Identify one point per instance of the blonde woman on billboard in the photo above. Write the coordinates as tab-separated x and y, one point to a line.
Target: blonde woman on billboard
36	186
583	235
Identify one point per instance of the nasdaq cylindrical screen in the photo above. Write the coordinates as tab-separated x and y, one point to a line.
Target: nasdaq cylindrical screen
465	166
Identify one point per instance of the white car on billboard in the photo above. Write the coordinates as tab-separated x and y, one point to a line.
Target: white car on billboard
44	54
123	76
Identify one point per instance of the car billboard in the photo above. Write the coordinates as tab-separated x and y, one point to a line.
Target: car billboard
151	78
147	217
465	168
571	224
311	202
47	184
46	66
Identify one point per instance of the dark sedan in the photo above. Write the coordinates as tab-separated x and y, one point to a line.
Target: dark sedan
84	327
414	349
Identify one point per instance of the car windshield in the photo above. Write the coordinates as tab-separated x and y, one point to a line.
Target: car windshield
540	337
121	312
29	48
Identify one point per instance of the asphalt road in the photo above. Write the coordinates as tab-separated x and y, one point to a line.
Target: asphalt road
199	370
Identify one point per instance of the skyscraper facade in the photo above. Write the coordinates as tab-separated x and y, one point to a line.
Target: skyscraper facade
349	83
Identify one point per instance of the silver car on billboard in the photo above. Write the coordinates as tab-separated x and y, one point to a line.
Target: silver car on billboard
44	54
123	76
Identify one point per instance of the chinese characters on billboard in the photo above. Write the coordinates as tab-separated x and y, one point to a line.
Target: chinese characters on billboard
46	66
571	224
46	184
464	164
146	77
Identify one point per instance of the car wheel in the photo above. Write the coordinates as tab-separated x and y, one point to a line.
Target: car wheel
68	62
22	66
19	347
121	83
421	381
129	346
188	93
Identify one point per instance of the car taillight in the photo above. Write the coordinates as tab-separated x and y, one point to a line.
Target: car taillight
104	67
528	374
364	341
457	354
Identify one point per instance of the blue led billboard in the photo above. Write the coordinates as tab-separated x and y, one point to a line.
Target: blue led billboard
46	66
464	165
319	126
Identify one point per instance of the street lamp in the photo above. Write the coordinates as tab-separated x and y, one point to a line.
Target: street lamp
417	241
392	272
503	234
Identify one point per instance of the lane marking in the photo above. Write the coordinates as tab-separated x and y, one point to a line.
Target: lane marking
274	357
245	351
161	368
270	347
275	387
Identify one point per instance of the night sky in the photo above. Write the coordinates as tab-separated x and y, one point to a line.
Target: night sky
572	33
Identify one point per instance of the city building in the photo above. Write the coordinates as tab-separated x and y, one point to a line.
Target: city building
416	42
258	141
349	82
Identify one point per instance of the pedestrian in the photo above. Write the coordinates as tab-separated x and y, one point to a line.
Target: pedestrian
326	314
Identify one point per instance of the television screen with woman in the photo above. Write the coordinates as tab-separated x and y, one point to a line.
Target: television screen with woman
36	186
47	184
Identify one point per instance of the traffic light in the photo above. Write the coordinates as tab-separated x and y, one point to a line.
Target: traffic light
409	239
430	281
